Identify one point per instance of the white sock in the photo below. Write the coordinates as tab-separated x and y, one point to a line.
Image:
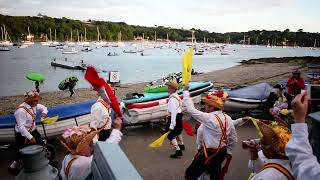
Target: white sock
175	144
13	165
180	139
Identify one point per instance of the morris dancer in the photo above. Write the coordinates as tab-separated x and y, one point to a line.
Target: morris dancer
175	119
100	118
79	142
271	162
25	128
219	136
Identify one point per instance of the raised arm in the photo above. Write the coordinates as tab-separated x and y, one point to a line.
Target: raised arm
202	117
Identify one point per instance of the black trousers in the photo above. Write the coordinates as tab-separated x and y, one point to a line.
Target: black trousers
104	134
177	129
22	141
198	166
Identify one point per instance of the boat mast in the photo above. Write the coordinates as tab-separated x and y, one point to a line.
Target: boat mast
167	37
78	34
155	36
1	34
50	34
98	34
55	35
5	33
71	36
315	43
85	34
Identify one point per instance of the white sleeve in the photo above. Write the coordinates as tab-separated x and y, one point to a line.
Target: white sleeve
255	165
20	120
232	137
99	115
199	140
299	151
42	108
115	136
173	106
201	117
238	122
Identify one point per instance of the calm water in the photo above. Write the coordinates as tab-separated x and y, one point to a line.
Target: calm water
133	67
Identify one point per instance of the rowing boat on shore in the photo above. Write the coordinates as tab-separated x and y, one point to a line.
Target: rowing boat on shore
68	117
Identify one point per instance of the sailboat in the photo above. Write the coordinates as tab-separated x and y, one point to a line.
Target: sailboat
99	42
268	44
70	43
314	45
193	40
85	43
47	43
29	38
120	43
4	37
55	42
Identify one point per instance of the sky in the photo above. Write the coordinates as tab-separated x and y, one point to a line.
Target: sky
212	15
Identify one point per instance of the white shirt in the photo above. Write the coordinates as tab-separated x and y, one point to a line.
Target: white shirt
210	126
174	107
238	122
100	116
24	120
81	167
299	151
269	173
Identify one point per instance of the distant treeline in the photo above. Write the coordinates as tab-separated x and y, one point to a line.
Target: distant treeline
17	26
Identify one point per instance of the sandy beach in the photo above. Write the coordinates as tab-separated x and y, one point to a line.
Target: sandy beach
252	71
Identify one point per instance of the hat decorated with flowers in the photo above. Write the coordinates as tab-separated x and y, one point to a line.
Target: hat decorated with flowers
216	99
31	96
77	138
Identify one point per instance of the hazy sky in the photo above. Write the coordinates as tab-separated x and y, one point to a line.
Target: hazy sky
212	15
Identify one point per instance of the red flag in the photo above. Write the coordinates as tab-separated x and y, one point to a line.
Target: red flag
103	88
93	77
112	97
187	127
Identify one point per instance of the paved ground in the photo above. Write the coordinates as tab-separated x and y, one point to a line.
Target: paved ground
155	163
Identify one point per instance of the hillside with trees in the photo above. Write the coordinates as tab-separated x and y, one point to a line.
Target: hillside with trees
17	26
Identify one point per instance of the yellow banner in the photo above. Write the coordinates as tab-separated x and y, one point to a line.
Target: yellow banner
158	143
187	66
50	120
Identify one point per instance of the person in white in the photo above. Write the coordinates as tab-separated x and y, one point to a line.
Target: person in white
267	158
299	151
218	139
100	118
25	128
77	164
175	119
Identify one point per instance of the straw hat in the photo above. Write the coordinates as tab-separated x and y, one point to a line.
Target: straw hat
173	84
216	99
77	138
31	96
276	136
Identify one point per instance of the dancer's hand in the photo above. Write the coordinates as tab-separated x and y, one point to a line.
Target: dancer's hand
117	124
300	107
33	141
186	87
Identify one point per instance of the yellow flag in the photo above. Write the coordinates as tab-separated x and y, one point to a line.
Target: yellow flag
187	66
254	121
50	120
158	143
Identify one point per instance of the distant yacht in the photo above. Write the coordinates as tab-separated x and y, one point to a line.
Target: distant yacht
72	51
4	37
84	43
99	42
70	43
29	38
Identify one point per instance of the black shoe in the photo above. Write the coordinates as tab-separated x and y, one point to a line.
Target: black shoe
182	147
13	171
177	154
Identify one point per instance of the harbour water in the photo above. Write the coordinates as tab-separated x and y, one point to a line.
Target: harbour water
133	68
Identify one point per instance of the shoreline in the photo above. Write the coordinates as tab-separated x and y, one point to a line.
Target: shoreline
248	72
